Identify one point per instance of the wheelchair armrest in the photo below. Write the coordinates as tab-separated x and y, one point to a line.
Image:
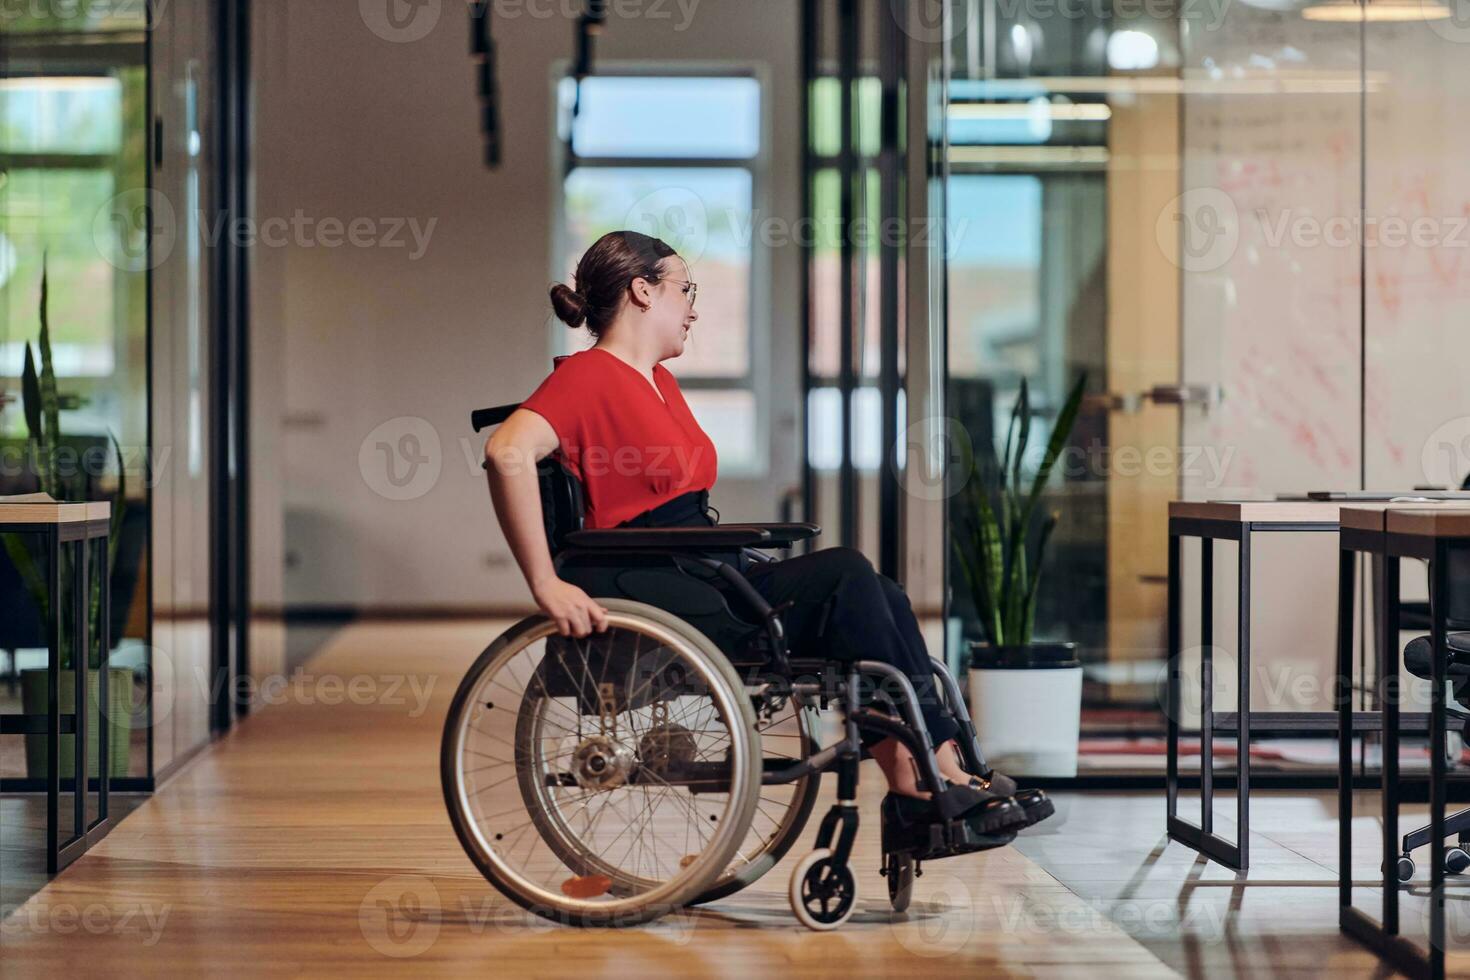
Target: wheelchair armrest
781	535
482	418
672	538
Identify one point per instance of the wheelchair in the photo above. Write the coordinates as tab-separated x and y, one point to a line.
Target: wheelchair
672	759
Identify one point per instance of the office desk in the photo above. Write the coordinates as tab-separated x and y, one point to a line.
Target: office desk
84	528
1392	533
1210	522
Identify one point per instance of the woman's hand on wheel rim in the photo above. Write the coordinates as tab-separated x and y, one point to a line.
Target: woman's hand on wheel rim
573	610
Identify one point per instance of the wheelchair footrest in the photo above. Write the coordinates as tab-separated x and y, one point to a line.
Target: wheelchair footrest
957	837
929	841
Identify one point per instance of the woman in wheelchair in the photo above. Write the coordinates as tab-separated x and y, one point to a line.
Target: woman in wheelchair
647	742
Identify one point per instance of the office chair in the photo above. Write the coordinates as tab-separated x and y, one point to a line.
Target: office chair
1418	658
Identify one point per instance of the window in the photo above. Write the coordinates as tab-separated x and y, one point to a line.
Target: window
825	433
678	157
64	136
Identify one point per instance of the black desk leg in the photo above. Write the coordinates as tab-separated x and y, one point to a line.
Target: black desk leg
1388	688
1346	567
1243	702
1439	590
1172	700
1201	836
52	540
104	643
1207	686
80	652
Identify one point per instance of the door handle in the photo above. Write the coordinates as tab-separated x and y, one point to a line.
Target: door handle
1207	396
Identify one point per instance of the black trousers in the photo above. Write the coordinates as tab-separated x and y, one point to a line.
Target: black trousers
841	609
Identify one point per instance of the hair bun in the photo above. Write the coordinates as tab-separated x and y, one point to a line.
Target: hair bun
570	305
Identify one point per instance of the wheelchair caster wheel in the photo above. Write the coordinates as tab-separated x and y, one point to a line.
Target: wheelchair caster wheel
1406	868
899	870
1456	860
823	893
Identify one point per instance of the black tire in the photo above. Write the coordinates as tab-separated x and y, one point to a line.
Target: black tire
899	870
1405	868
823	893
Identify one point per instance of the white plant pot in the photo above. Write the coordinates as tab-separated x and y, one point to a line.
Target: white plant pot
1028	719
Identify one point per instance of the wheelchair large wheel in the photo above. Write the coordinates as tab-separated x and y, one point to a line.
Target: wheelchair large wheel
787	735
604	780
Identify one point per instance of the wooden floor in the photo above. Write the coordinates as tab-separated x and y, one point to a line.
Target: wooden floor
313	841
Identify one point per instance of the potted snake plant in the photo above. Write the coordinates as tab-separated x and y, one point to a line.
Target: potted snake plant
1025	694
41	406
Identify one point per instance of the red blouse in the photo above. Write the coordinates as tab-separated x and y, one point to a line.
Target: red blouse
631	449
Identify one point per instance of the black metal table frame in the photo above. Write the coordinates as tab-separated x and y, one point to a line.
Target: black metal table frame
1201	837
89	541
1383	937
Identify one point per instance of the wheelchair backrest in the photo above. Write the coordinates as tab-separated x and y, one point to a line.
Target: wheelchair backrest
563	508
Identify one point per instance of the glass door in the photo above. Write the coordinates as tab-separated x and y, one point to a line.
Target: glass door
174	221
1063	149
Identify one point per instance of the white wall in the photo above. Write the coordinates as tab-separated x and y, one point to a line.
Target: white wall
346	339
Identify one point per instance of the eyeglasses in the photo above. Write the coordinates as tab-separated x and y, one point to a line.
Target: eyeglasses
691	289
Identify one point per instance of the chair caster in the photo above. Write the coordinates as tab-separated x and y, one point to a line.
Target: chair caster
823	893
1456	860
1406	868
900	872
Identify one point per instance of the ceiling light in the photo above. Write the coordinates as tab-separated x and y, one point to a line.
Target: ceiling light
1132	51
1377	10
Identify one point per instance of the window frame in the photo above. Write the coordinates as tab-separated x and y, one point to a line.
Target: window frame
756	379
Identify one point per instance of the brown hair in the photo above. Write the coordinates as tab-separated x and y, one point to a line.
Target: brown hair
603	276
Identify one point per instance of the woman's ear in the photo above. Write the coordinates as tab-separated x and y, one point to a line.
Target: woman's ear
641	291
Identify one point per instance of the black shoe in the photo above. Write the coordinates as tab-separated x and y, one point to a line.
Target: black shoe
916	827
1033	802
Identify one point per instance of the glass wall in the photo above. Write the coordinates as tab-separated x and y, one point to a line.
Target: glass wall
1242	223
1058	148
110	154
73	160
